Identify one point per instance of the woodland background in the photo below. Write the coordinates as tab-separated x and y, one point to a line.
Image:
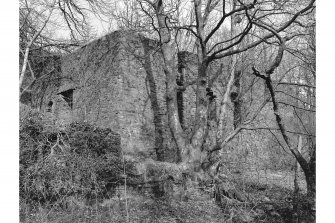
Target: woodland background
330	192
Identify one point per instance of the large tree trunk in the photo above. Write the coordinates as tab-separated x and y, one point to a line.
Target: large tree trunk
170	71
180	99
232	80
159	146
190	152
311	179
311	187
235	98
311	176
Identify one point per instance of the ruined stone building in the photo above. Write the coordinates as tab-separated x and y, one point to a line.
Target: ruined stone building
114	82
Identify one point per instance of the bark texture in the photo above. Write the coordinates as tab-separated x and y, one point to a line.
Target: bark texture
159	146
235	98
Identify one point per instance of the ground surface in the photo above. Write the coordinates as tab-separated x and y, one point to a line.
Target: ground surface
269	200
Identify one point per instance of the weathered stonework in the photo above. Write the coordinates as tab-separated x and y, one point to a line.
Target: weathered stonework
105	83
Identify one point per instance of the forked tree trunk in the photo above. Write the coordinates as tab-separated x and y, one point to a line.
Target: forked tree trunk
190	152
170	71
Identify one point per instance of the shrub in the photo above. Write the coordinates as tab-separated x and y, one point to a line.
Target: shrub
80	159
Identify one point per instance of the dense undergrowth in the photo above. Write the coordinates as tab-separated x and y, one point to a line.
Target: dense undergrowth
76	174
79	159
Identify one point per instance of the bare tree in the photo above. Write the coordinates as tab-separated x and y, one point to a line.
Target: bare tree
308	167
206	25
33	39
217	31
38	20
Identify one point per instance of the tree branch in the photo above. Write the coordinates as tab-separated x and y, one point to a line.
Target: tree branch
224	16
296	84
256	43
303	163
26	54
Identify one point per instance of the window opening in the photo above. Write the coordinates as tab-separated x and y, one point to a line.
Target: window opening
68	97
49	107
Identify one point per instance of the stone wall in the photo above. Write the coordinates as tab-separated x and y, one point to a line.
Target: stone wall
110	89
